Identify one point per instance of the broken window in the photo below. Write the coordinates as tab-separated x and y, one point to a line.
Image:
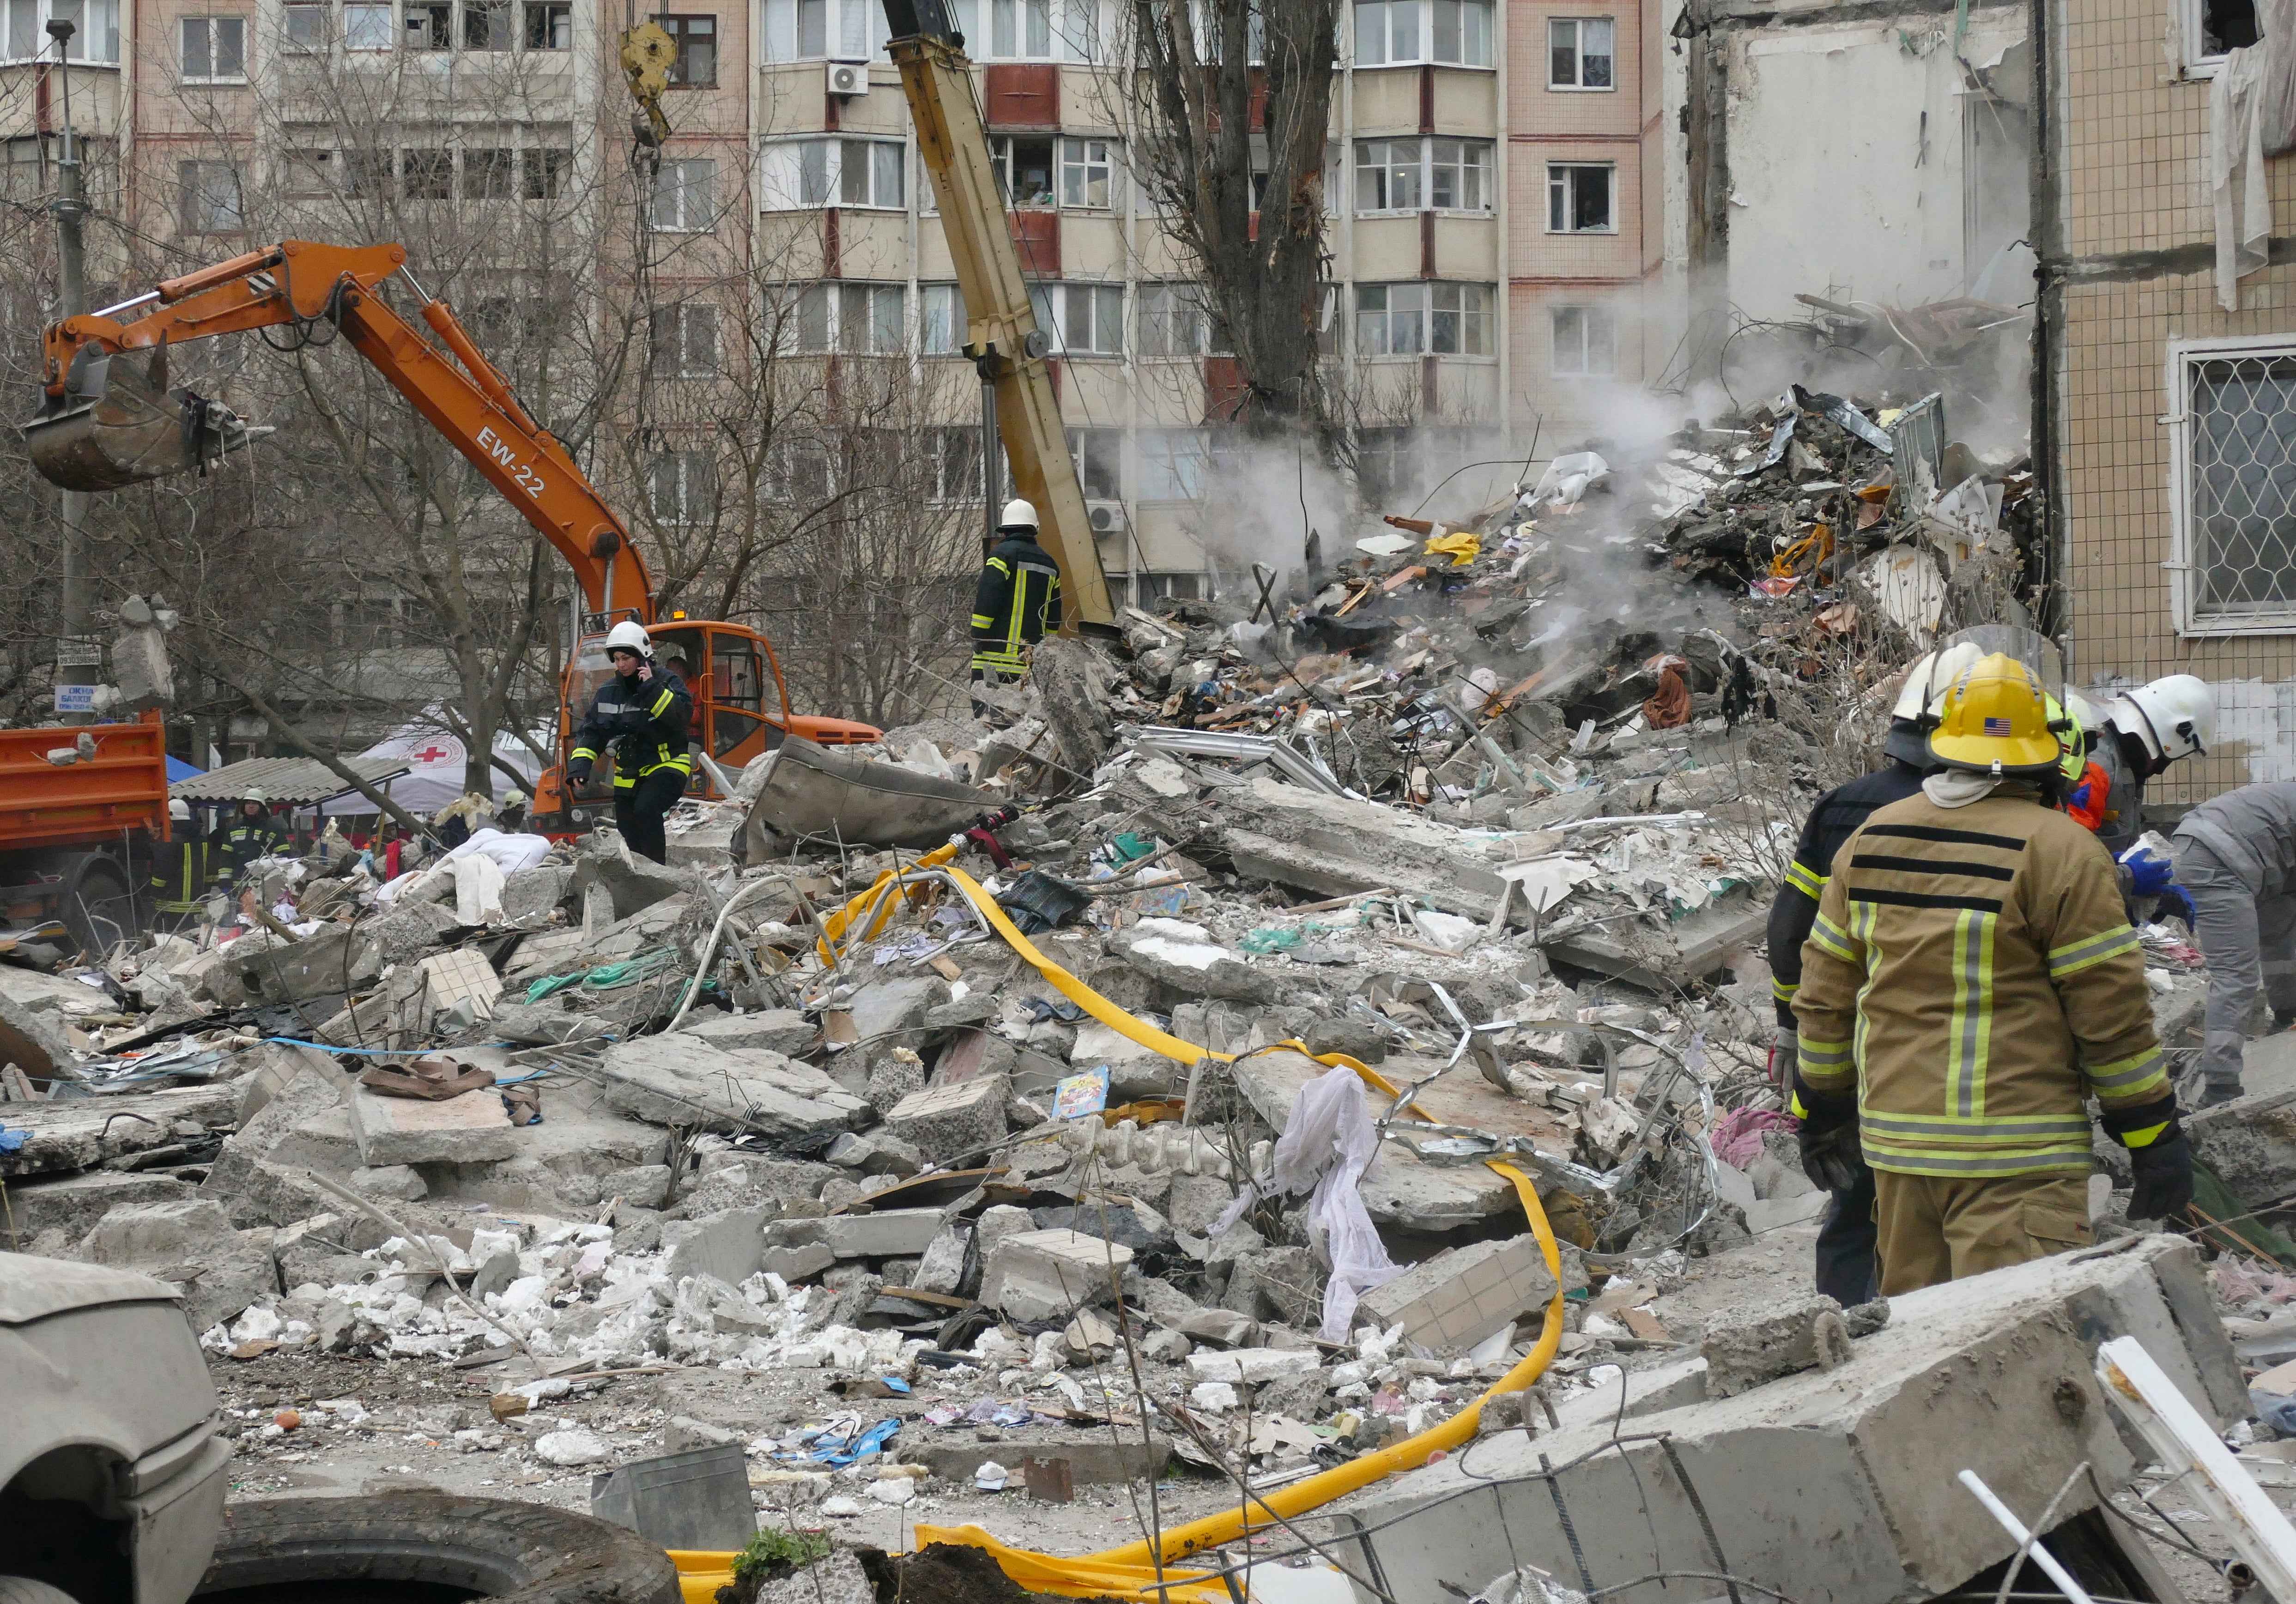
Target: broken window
490	173
1410	174
214	49
308	175
1024	169
427	175
2236	516
1099	455
1172	463
210	197
486	25
1578	53
430	27
682	487
366	174
545	173
1173	322
799	471
683	340
549	25
873	319
2217	28
1585	342
696	64
955	452
1579	198
684	197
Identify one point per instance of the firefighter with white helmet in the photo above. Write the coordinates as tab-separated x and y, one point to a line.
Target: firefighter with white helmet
2132	738
2235	856
1969	982
641	715
1017	602
252	835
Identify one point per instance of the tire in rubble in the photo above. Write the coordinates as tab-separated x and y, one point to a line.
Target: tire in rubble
429	1548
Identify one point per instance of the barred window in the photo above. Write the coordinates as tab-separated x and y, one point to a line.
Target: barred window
2235	510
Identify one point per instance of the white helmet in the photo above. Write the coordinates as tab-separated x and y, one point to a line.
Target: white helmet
1018	515
177	808
2174	716
630	636
1926	681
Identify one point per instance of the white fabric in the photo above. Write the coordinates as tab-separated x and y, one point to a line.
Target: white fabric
507	852
511	850
477	890
1958	787
1329	1143
435	772
2236	163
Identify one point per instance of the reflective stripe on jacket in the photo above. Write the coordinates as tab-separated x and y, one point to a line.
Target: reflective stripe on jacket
1016	605
1831	822
1970	974
643	722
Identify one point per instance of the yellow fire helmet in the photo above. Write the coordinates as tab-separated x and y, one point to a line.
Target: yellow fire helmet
1995	720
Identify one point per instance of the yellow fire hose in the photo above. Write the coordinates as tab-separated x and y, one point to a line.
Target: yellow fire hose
1136	1570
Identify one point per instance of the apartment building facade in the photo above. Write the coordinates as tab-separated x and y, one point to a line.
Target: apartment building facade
1495	225
2166	419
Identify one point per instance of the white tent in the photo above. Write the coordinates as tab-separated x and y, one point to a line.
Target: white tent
434	761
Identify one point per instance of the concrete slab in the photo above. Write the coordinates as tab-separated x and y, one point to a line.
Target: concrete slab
1041	1275
673	1080
2250	1142
334	960
1451	1302
83	1133
469	1129
1254	1364
73	1204
1334	846
1837	1486
1092	1461
947	1122
190	1244
892	1233
783	1030
33	1039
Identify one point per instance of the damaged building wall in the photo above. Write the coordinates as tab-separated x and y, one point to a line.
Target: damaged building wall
1870	159
2161	421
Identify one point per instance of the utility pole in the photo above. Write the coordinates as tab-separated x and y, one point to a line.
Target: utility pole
80	657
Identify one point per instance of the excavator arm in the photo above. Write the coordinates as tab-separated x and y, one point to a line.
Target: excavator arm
104	424
1002	334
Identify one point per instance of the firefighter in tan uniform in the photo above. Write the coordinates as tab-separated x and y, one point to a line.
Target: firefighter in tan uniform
1969	981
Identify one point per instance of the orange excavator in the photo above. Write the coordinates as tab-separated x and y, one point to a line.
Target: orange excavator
107	423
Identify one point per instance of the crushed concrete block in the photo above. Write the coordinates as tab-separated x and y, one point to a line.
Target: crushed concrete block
1196	1201
1360	1039
73	1204
469	1129
1166	1346
1276	1283
794	1264
334	960
500	1269
942	1269
33	1041
729	1244
642	1186
1253	1365
1223	1326
532	895
408	931
894	1233
632	883
1039	1274
2250	1142
390	1180
270	1067
783	1030
1839	1484
450	980
81	1132
190	1244
1744	1354
875	1154
676	1080
543	1024
894	1074
1092	1461
1177	953
1452	1301
951	1121
1769	1213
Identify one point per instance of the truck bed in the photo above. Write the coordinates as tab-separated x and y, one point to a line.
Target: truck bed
123	787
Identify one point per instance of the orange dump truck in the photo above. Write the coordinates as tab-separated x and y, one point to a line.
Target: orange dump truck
77	839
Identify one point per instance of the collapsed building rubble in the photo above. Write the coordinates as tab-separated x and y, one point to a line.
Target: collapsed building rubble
1159	1074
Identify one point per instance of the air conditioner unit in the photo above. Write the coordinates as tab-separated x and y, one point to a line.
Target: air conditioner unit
1106	517
847	77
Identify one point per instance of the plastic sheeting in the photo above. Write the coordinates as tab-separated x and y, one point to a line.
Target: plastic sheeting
1329	1143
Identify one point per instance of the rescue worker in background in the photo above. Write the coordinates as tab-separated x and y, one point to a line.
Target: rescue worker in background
1845	1242
2236	857
179	870
510	815
1016	602
641	714
252	834
1969	981
2134	737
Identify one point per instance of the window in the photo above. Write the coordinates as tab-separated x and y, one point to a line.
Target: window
1412	175
366	27
857	319
956	452
1455	33
943	328
799	471
796	173
544	173
682	487
1024	169
487	25
2234	485
815	30
1172	463
1088	166
2213	29
427	175
1084	320
490	173
210	197
1578	199
306	27
430	26
96	28
549	25
307	175
684	342
696	38
366	174
1020	29
1099	455
1413	319
1585	342
214	49
1578	53
684	197
1175	322
1383	459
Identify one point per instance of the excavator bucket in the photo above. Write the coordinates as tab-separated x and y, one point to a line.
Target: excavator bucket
118	424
